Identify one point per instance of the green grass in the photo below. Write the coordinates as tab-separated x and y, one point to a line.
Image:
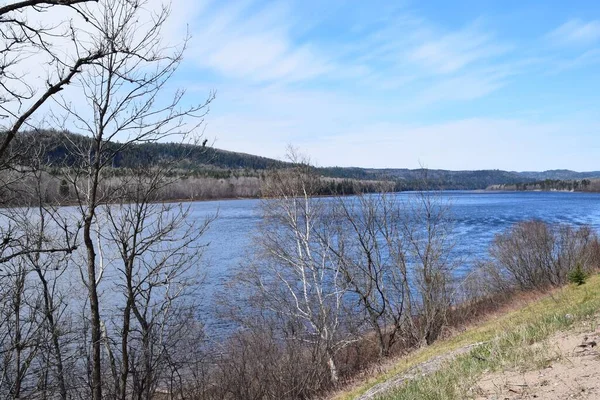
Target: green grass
508	341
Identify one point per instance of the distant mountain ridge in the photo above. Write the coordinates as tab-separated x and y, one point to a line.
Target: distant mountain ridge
218	163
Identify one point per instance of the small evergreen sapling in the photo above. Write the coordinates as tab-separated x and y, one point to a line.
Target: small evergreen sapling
577	276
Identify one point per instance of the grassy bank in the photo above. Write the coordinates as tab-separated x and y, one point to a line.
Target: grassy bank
507	341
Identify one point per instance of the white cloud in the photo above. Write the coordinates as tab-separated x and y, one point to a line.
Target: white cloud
260	45
361	96
344	130
576	32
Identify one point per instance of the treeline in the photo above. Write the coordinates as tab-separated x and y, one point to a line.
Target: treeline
560	174
202	173
57	190
583	185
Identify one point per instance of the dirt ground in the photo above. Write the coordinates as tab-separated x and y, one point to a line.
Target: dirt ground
572	372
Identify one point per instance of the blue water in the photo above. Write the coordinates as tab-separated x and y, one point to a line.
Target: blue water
477	218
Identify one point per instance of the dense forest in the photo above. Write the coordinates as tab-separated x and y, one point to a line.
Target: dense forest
215	173
583	185
59	149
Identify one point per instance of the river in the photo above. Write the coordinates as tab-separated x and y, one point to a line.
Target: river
477	216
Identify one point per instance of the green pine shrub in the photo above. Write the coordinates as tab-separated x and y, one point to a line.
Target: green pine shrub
577	276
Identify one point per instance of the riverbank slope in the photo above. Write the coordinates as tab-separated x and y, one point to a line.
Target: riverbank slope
501	355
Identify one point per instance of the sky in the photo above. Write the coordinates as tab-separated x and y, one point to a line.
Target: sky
510	85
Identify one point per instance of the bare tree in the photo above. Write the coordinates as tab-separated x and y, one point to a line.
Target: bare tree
21	331
121	65
25	36
35	330
295	275
124	96
537	255
397	259
370	253
427	234
159	250
28	185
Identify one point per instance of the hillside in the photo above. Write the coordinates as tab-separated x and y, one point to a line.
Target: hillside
198	160
559	174
59	149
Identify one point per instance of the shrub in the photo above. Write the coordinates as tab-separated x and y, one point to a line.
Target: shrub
536	255
578	276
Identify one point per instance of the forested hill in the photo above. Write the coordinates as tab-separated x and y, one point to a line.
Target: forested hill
409	179
59	149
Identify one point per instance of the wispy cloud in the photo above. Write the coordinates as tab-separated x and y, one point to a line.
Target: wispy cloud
267	44
455	51
576	32
585	59
574	45
243	41
460	88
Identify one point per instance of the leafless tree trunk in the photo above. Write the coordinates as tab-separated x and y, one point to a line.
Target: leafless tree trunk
53	305
34	362
295	275
122	102
159	250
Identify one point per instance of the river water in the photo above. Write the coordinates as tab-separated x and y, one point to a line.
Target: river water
477	216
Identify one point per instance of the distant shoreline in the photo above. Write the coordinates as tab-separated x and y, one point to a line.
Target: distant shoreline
205	200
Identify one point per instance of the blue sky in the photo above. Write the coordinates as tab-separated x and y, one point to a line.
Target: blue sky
455	85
